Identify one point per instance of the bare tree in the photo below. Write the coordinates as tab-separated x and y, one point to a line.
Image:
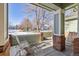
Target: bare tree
36	10
26	24
42	16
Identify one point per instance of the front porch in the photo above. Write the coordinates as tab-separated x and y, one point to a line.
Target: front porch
45	48
61	41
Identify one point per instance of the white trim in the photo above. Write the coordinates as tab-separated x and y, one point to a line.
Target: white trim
59	21
78	19
53	23
5	20
59	35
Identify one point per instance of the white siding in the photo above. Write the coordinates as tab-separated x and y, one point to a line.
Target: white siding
71	26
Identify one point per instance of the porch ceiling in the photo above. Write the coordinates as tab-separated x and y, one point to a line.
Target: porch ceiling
63	5
47	6
53	6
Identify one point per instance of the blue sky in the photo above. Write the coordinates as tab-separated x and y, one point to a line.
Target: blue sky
16	13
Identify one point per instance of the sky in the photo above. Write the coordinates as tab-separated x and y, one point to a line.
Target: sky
16	13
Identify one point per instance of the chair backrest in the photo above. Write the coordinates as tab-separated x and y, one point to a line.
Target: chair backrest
66	34
71	35
17	39
22	44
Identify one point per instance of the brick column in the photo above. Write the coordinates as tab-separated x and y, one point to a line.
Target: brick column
58	37
59	42
76	39
76	46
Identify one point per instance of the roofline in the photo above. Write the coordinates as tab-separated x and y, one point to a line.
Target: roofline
71	6
45	7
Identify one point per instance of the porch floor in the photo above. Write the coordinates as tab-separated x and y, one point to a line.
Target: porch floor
46	49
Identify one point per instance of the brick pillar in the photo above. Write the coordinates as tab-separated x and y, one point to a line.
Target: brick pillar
76	39
58	37
59	42
76	46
